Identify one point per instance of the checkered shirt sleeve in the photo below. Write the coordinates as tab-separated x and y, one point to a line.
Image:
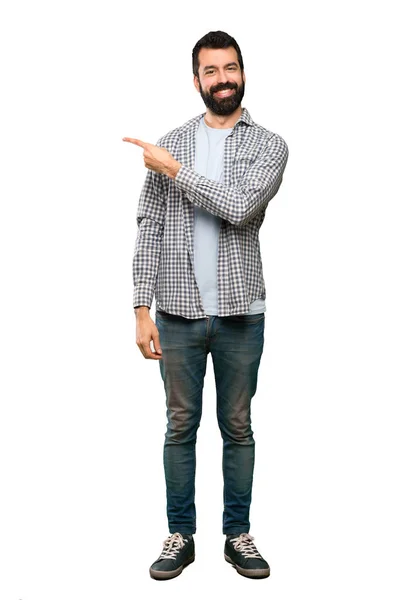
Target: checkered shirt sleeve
238	204
150	220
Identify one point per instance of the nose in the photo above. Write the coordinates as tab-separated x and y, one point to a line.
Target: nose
221	76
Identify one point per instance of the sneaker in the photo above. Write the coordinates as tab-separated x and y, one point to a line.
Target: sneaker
241	552
177	553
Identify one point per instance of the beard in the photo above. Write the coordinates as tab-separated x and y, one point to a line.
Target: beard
223	106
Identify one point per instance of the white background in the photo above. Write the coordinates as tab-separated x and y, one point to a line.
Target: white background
83	413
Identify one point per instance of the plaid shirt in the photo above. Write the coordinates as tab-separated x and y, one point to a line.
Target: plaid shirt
163	262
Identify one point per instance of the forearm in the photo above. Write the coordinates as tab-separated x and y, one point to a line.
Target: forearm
235	204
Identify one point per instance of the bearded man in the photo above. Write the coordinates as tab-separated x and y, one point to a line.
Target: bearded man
197	251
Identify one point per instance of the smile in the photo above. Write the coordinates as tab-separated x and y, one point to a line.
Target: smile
224	93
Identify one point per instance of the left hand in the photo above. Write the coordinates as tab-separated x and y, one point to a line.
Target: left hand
156	158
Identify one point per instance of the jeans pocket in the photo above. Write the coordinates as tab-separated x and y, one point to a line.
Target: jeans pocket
247	319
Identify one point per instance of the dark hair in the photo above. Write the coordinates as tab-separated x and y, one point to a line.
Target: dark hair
214	39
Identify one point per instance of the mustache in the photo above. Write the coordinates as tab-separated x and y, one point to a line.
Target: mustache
223	86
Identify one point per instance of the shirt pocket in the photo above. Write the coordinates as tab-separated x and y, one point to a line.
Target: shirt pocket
243	161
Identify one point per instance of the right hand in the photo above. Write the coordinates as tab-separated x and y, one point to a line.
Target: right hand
146	330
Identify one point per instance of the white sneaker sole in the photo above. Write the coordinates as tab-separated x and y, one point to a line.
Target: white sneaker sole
162	575
252	573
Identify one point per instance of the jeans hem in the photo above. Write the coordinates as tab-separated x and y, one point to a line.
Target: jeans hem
182	530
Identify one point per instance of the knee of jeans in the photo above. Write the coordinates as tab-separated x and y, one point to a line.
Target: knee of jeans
237	430
182	428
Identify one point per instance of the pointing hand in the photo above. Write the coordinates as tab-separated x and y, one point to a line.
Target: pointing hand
157	159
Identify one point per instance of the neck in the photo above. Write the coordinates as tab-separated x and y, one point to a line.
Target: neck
222	121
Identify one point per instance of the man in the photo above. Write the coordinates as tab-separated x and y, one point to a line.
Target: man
203	202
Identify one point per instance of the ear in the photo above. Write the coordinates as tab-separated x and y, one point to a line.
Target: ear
196	83
244	76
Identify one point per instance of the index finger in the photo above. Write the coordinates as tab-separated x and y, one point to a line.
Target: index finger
135	141
147	352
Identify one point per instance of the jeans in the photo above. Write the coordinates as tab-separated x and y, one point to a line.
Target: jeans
236	345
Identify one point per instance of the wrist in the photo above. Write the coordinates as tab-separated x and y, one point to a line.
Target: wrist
173	169
142	311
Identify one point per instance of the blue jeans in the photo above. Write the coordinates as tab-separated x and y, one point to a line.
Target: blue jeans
236	345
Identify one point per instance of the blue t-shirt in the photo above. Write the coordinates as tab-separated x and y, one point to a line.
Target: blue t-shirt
209	162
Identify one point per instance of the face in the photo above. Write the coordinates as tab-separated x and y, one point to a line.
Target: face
220	81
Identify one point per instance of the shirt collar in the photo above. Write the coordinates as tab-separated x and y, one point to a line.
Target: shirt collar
245	118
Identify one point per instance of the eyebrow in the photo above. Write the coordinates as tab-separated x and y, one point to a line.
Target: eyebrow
227	65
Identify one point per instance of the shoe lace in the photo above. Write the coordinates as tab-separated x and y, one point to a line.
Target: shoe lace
244	544
172	545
